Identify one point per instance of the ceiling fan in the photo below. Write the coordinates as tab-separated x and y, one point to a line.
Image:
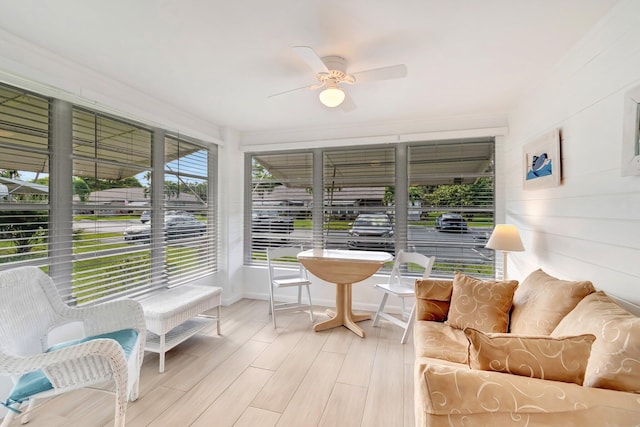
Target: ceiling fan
331	73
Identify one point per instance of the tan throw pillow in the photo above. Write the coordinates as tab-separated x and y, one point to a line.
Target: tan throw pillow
483	305
615	356
541	301
557	359
432	299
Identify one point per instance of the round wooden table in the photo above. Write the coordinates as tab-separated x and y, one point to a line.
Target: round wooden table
343	268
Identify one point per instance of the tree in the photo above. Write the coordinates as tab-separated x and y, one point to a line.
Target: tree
262	178
105	184
11	174
416	193
451	196
81	189
23	228
171	189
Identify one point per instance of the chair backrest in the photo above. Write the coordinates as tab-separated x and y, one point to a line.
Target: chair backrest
401	266
286	255
29	307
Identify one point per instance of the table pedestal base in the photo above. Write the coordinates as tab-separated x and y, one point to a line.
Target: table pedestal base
343	315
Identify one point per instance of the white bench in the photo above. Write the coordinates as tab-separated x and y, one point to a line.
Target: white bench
175	315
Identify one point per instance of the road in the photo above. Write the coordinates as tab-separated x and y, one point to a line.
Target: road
446	246
104	226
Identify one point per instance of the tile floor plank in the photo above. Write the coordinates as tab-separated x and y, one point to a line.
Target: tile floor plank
256	417
307	404
228	408
277	393
197	400
345	406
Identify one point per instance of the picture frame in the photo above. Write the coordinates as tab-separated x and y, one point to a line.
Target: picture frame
542	162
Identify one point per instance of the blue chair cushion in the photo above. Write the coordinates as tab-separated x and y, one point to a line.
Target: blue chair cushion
36	382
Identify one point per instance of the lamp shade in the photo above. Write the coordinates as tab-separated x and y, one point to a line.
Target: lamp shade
505	237
332	96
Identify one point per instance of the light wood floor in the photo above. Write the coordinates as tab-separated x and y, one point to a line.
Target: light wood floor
255	376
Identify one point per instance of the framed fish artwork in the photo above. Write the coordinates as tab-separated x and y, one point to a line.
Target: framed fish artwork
542	162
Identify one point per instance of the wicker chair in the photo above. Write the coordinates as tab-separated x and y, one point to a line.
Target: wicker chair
108	357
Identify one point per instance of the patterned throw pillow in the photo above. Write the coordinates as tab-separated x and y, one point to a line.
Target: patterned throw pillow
541	301
557	359
615	356
432	299
483	305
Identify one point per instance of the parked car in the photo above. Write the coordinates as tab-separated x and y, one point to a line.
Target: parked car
146	215
271	222
451	222
175	227
371	231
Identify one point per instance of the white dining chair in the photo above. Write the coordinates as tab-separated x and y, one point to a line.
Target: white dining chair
402	286
285	271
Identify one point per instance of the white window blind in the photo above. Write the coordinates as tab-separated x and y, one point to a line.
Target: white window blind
360	189
281	199
359	210
24	175
451	209
189	222
87	220
111	167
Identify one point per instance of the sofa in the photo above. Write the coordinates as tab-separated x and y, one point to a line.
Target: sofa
544	352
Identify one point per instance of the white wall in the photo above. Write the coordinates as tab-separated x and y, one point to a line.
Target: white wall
231	218
589	226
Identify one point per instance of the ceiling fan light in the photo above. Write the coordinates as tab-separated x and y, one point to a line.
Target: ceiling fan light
332	96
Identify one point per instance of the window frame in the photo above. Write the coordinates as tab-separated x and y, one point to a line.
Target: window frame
401	180
61	255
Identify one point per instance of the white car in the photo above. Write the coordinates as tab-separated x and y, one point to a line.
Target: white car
175	227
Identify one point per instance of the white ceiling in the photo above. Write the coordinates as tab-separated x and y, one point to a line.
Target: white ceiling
220	60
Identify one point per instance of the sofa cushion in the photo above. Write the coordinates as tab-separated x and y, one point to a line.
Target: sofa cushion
548	358
432	299
466	397
440	341
483	305
541	301
615	355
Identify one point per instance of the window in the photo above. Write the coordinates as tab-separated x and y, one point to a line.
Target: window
446	186
358	198
111	161
24	178
188	222
81	197
451	209
281	200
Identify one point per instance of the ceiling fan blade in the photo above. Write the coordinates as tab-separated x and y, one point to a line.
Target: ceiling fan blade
393	72
308	55
348	104
292	90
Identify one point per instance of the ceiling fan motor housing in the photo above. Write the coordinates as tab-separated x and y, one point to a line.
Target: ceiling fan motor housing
337	67
335	63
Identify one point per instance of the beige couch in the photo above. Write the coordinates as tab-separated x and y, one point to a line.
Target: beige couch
571	356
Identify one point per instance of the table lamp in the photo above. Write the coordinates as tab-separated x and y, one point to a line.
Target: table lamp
505	238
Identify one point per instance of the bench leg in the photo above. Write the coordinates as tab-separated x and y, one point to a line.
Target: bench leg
162	351
215	317
218	319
